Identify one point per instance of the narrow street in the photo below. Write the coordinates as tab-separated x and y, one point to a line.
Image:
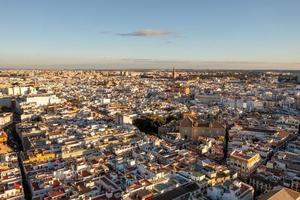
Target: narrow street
16	144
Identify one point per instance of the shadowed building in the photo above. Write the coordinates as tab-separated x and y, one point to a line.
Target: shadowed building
191	128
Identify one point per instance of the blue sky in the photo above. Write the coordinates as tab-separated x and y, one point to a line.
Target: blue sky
145	33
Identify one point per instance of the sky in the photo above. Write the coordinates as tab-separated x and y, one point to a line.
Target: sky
150	33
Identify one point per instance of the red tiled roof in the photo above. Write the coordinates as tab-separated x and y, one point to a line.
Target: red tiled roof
55	193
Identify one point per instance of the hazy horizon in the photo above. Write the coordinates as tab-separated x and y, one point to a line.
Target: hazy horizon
161	64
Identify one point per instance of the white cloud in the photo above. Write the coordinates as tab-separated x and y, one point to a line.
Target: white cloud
148	33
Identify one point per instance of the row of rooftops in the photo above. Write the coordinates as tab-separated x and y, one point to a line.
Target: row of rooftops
71	142
10	174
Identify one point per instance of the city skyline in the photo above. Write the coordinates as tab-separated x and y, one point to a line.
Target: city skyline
131	34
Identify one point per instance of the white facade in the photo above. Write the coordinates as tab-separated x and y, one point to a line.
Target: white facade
6	119
18	91
43	100
124	119
234	191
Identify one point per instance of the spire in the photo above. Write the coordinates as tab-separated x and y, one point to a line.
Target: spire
173	73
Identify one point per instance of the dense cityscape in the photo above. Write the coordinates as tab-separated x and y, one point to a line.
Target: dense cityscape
149	134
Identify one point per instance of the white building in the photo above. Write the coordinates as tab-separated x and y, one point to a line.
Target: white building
6	119
122	119
231	191
18	91
43	100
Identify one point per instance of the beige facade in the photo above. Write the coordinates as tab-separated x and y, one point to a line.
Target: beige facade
191	129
